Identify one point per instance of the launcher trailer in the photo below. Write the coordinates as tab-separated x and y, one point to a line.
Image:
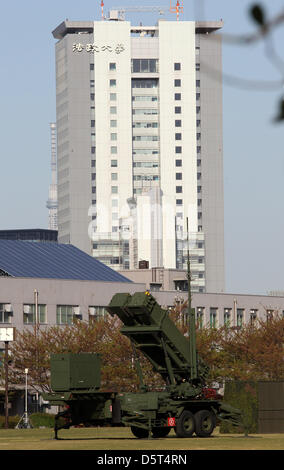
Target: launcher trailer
182	404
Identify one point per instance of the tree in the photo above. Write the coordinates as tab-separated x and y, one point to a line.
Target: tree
254	352
32	350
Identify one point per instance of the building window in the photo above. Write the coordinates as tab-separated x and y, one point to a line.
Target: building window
144	83
178	189
200	317
177	96
253	315
178	149
177	82
227	317
92	96
177	66
92	66
177	109
112	83
113	123
177	123
144	65
113	150
113	110
113	136
113	163
92	123
178	176
30	314
112	96
178	162
114	176
144	98
112	66
66	314
240	317
178	136
179	202
5	313
198	83
114	189
213	317
96	313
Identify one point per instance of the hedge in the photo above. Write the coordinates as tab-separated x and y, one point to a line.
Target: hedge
242	395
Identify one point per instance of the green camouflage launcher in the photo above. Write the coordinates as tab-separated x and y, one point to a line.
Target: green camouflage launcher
182	405
152	332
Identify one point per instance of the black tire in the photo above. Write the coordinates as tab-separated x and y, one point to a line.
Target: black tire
139	432
185	425
160	432
205	423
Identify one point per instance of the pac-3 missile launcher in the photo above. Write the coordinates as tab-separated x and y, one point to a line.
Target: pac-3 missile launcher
182	405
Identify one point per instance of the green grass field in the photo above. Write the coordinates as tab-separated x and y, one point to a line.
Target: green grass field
122	439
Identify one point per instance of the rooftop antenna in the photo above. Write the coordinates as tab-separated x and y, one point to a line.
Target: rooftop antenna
177	9
143	9
102	7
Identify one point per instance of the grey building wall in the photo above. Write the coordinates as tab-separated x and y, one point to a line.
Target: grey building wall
211	156
73	118
259	305
157	277
53	292
85	294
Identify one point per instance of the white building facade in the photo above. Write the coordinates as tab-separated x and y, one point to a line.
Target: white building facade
139	145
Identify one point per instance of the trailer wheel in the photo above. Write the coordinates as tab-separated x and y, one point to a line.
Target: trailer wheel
185	425
160	432
205	423
139	432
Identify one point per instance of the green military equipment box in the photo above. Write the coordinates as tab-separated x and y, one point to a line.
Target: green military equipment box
75	371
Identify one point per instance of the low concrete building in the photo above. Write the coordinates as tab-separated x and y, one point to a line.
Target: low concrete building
50	284
226	309
58	301
160	279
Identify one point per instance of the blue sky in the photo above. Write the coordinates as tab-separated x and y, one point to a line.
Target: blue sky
253	143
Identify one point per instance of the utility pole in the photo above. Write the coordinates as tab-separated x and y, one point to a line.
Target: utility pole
6	386
7	334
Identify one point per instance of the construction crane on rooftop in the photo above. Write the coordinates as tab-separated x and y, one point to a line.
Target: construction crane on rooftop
178	8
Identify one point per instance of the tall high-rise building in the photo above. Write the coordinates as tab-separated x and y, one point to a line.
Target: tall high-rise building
139	144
